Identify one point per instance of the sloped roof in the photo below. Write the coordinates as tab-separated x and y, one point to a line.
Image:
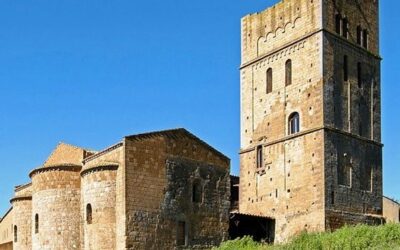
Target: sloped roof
175	134
65	154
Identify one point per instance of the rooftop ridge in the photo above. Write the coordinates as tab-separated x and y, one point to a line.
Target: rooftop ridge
102	152
174	132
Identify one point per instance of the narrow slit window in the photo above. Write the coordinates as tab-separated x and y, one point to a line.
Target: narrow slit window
288	72
197	192
345	173
338	23
181	234
359	35
89	214
294	123
366	182
345	28
15	234
269	80
345	68
259	156
359	75
36	223
365	39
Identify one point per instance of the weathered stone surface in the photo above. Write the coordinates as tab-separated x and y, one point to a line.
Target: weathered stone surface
161	169
137	193
391	210
299	182
6	231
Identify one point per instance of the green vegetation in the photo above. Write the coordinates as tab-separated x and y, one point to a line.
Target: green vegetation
347	238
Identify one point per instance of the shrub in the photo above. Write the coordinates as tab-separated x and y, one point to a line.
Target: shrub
347	238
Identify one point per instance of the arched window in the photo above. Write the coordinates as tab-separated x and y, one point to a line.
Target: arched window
338	23
359	35
288	72
197	192
269	80
89	214
294	123
36	223
345	68
259	156
15	233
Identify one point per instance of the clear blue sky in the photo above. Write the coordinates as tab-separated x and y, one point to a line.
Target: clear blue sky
89	72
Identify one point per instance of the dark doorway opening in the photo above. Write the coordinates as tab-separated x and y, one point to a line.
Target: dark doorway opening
259	228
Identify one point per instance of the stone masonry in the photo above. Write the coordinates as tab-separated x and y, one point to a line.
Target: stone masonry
311	155
160	190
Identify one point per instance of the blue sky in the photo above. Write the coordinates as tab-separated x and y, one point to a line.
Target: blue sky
89	72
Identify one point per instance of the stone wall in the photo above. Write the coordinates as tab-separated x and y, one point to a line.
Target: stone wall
99	189
391	210
149	223
264	115
6	246
338	219
299	180
352	114
65	153
274	28
363	192
22	219
364	13
22	216
56	202
289	186
6	230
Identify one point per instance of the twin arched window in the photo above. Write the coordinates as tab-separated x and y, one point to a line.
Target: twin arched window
294	123
362	37
342	26
288	76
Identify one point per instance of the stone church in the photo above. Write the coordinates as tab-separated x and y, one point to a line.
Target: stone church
158	190
310	153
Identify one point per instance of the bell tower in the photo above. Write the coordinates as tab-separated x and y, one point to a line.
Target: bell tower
311	152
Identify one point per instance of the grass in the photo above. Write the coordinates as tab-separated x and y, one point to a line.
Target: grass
348	238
